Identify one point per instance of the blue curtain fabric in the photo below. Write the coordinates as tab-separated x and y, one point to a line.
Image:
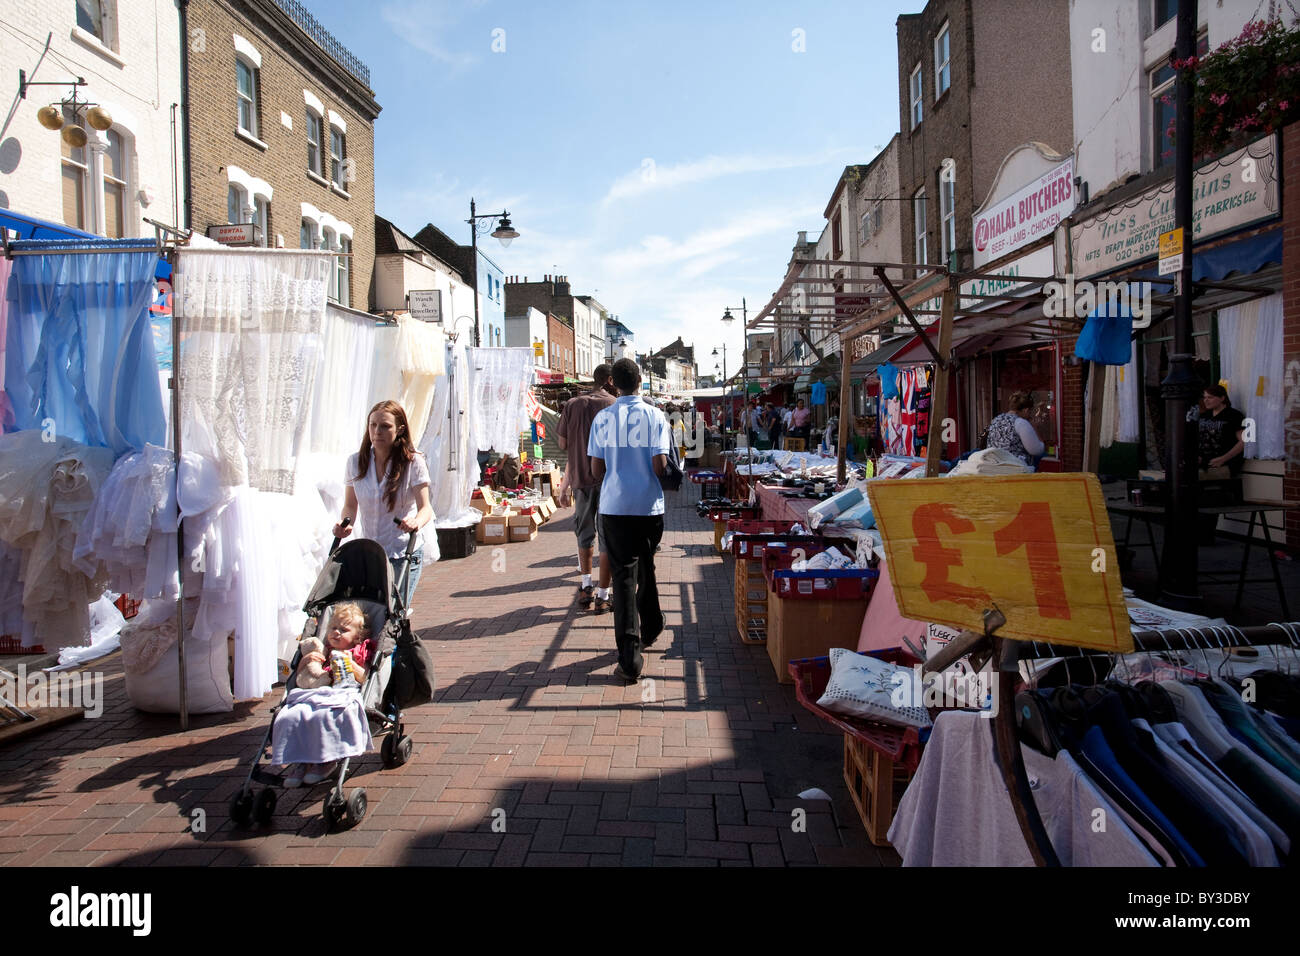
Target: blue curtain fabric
79	350
1106	338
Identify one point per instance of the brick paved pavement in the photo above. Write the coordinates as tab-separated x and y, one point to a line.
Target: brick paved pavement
529	728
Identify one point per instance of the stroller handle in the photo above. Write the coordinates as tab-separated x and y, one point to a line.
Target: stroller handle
335	546
410	539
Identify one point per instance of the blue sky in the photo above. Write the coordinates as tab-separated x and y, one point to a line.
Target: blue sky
663	155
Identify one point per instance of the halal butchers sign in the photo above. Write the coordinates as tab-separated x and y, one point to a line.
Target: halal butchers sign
1025	216
1236	190
1037	546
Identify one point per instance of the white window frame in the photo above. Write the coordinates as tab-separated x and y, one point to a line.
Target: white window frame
336	176
319	143
343	271
942	69
104	37
253	71
124	154
241	200
916	94
262	218
921	242
947	217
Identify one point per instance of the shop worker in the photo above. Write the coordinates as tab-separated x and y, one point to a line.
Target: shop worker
1013	431
1220	429
573	433
629	453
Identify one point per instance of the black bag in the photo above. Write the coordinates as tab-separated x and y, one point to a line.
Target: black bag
410	683
671	479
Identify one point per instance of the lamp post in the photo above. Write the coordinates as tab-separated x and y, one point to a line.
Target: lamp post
726	404
504	232
727	319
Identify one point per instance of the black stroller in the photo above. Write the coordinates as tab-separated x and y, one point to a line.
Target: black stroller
359	572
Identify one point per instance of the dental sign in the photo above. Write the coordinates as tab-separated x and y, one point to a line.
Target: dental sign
1026	215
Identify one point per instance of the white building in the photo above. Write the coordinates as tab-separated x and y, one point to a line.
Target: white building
582	326
129	54
402	266
529	331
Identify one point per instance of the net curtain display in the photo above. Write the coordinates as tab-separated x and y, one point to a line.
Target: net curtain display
79	353
1250	362
501	377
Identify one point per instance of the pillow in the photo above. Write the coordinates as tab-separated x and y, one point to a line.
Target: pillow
862	686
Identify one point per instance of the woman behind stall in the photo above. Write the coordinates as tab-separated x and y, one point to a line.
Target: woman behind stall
1220	428
1012	430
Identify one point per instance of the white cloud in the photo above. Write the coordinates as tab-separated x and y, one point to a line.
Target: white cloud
650	176
426	26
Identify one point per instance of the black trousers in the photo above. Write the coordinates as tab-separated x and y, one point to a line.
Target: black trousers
628	542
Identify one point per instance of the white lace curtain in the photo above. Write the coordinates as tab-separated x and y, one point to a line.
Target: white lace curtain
501	377
1250	362
342	394
449	445
250	347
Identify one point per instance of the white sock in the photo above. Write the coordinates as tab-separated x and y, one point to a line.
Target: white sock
586	580
602	593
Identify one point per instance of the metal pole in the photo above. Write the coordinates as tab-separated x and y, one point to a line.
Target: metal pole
1178	570
175	382
473	243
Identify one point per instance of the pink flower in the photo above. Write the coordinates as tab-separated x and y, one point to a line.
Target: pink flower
1218	99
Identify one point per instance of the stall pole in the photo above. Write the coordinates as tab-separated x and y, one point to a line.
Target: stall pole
175	384
1181	387
1092	430
939	393
846	397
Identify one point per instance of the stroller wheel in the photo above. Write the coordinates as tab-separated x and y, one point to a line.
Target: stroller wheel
335	807
356	807
265	806
241	808
396	749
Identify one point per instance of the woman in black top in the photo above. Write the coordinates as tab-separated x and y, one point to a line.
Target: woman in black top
1221	428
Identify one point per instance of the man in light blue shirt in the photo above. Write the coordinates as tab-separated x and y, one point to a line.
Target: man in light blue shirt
628	448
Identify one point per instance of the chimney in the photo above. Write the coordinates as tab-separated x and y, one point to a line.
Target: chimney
562	285
803	237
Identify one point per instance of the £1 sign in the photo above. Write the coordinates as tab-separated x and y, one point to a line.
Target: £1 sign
1037	546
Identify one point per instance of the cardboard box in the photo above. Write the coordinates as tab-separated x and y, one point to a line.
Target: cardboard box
547	483
494	529
547	508
486	502
524	527
798	629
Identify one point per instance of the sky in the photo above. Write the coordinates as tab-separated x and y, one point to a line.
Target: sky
662	155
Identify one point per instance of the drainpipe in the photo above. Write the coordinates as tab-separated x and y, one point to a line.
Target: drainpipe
185	110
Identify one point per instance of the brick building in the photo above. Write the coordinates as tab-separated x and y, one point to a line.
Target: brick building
281	134
559	336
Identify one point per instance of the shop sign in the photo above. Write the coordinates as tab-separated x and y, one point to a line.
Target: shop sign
1039	547
425	304
1171	252
1026	215
1237	190
1040	263
235	234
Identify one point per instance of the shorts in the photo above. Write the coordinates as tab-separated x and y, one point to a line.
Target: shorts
586	505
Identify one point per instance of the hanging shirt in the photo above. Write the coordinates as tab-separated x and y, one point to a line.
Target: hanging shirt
818	394
888	381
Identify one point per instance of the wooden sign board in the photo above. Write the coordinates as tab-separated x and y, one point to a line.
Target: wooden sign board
1037	546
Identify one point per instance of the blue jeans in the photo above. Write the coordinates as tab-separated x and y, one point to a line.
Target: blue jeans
413	576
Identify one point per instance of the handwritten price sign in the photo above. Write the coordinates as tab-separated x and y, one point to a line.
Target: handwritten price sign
1038	546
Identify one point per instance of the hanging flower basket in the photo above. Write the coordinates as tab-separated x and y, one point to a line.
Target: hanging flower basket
1246	88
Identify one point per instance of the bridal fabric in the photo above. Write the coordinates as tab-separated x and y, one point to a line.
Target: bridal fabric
450	448
500	380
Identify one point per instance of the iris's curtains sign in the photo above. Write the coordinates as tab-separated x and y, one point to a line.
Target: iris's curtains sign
1236	190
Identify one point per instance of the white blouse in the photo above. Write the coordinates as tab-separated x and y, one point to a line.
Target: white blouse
374	520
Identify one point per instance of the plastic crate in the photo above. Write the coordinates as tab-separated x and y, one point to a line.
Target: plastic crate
781	559
824	585
13	644
877	757
456	543
753	545
129	606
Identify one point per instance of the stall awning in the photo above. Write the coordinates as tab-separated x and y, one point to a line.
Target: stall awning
29	227
1243	257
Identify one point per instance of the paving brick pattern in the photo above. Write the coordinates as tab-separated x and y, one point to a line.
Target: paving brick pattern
531	755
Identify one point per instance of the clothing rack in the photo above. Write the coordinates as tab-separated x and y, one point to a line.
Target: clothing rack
1008	653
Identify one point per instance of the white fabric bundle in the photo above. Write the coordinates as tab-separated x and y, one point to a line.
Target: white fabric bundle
343	384
990	461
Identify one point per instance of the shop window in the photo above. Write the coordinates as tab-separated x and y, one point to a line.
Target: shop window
329	240
918	215
315	157
1161	83
942	67
1165	11
915	85
115	173
246	77
75	174
948	218
837	245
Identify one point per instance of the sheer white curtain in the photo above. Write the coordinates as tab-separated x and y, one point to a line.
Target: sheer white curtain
501	377
449	445
421	353
251	327
342	397
1250	361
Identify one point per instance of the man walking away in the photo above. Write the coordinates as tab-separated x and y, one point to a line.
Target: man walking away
628	448
573	432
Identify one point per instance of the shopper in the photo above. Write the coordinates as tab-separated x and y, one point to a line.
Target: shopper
388	479
1012	430
799	420
1221	428
629	450
573	432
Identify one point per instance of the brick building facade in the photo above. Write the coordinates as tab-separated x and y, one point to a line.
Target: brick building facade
281	133
559	335
1291	325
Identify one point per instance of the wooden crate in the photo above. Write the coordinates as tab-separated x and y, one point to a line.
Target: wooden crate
871	778
751	601
799	628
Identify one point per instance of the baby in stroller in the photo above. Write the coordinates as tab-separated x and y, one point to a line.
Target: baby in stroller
320	726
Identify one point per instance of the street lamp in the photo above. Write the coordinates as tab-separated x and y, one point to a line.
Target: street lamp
504	233
727	319
726	402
